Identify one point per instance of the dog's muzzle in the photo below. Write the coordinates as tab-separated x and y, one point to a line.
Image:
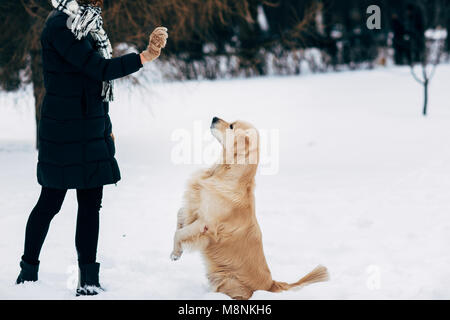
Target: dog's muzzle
214	121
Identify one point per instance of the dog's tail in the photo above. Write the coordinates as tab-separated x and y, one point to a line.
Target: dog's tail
319	274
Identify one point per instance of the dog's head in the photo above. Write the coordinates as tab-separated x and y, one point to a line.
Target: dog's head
239	139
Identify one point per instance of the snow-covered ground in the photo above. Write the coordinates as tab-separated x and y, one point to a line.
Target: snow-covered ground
361	185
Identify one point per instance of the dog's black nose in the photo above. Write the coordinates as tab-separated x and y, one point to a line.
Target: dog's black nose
215	119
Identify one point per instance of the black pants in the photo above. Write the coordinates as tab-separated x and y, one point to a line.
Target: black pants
48	205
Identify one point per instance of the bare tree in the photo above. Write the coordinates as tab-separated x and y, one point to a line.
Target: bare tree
424	58
427	70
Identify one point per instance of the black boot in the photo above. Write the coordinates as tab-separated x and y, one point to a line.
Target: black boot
88	284
28	272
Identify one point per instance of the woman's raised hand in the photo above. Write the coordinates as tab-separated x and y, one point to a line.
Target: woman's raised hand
157	41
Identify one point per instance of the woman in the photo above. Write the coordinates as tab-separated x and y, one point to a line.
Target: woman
76	144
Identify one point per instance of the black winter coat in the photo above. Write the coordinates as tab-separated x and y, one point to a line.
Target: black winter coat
76	150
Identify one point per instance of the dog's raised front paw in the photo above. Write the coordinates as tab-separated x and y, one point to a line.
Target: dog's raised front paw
174	256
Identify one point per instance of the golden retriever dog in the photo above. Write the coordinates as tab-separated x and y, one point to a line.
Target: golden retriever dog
218	218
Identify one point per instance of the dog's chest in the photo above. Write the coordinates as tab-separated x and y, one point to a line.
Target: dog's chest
213	207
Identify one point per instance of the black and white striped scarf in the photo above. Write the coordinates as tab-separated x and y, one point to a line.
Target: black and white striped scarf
82	21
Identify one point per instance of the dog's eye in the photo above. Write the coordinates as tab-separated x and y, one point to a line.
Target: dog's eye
231	126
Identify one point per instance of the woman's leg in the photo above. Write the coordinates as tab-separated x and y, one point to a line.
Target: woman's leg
48	205
86	238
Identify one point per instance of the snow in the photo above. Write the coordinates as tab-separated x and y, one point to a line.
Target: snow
436	34
262	19
358	181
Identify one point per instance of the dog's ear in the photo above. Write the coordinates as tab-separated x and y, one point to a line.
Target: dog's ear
246	146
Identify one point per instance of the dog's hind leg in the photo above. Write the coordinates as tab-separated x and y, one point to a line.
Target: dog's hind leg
234	289
196	228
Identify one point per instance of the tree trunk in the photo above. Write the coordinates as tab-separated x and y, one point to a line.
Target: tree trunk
38	86
448	29
425	99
